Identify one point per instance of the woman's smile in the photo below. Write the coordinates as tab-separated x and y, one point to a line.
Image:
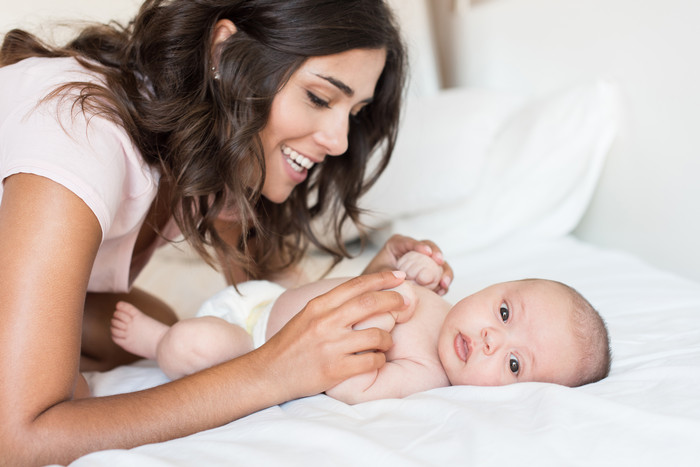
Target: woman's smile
297	161
293	165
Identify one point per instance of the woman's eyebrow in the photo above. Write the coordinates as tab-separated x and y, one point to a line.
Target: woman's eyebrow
347	90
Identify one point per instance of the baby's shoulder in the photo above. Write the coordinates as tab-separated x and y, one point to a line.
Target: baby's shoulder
429	305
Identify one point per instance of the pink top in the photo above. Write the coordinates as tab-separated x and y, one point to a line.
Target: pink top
96	161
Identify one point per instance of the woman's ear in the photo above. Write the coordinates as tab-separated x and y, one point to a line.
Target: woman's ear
223	29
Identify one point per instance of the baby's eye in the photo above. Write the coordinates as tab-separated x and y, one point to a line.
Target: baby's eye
514	364
505	312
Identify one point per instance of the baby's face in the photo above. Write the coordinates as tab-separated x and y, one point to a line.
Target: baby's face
511	332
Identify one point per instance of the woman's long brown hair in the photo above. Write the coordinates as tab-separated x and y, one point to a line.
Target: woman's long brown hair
202	133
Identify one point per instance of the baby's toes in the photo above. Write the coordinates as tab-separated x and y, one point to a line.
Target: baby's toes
127	309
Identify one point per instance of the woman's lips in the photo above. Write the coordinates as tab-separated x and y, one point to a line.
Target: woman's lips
461	345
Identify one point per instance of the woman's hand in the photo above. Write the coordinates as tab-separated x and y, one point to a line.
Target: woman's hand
318	348
397	246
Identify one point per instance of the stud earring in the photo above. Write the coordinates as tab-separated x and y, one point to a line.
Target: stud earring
217	75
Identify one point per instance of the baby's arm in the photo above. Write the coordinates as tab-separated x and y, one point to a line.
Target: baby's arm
396	379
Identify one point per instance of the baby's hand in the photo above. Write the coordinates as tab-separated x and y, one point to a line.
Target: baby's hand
421	269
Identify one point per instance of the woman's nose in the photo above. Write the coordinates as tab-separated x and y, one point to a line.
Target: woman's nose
492	340
333	135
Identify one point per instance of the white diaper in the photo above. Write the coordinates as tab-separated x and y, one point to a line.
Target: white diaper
249	309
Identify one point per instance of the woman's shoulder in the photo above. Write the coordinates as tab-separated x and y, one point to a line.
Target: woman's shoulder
90	155
46	71
26	86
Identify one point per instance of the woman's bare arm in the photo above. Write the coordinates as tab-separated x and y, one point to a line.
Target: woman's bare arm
49	242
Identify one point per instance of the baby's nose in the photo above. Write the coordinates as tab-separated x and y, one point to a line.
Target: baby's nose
491	340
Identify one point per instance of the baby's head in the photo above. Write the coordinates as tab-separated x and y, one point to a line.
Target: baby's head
528	330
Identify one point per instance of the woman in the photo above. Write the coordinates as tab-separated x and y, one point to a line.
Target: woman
217	119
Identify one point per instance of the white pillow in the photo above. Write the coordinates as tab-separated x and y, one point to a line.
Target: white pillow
440	151
533	178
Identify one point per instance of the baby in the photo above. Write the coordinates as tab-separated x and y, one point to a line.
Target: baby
526	330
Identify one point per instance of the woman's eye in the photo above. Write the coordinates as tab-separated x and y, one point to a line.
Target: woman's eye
514	364
317	101
505	312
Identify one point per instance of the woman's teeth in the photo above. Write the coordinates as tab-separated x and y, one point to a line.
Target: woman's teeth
296	160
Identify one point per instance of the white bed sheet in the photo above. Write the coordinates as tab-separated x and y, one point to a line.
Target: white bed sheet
646	413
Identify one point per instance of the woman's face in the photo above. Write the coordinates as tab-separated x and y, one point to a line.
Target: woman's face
309	119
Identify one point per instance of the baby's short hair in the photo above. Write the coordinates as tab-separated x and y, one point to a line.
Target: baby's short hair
592	338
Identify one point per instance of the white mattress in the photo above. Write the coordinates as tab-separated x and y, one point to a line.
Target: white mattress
647	412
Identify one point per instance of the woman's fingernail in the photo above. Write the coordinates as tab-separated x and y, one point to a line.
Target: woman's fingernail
446	281
399	274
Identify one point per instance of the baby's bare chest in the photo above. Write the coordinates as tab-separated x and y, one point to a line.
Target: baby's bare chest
417	339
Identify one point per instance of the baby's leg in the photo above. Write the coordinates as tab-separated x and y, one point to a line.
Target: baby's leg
186	347
194	344
136	332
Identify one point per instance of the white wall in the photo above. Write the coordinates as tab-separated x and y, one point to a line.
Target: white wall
648	201
44	16
415	19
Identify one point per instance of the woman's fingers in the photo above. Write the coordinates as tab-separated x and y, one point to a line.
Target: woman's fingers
363	362
367	340
359	288
393	249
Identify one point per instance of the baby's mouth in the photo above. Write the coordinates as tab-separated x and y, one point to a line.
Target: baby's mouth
297	161
461	345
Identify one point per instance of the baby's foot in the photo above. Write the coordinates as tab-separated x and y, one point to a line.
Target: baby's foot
136	332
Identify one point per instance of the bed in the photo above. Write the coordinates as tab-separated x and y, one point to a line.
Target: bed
551	156
647	412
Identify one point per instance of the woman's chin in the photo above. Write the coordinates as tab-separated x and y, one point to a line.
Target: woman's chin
276	198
